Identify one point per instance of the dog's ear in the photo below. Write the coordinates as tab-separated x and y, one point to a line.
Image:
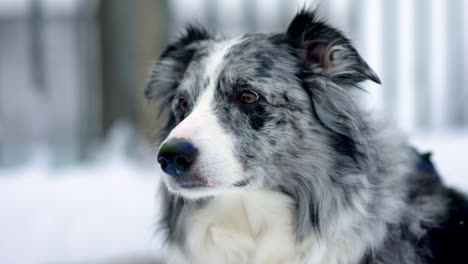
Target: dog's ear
172	64
331	67
326	51
168	71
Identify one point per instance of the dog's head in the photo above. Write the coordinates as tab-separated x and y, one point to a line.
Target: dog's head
242	112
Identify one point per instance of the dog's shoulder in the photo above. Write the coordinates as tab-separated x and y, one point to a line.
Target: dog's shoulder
448	242
435	223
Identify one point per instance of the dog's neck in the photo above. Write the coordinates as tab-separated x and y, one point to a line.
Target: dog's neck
259	227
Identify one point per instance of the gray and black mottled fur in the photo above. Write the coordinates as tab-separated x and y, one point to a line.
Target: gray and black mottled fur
316	145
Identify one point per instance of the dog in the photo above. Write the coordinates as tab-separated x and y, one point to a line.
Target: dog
268	158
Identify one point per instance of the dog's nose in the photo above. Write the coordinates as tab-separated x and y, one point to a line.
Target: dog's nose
177	156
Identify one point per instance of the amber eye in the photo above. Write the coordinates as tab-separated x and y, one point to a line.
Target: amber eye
183	104
248	97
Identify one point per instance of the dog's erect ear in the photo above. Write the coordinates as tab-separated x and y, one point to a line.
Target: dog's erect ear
172	64
332	65
326	51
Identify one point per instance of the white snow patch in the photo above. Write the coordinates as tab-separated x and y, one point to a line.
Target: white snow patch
94	213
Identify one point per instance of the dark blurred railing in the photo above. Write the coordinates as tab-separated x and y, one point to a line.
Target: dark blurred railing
48	79
70	70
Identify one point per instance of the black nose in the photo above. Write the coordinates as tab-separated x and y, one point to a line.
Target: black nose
177	156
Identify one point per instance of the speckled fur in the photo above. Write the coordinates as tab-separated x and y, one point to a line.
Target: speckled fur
334	186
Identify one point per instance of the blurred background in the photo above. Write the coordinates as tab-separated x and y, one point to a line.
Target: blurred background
77	172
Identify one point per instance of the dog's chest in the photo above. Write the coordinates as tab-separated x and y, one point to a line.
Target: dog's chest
252	228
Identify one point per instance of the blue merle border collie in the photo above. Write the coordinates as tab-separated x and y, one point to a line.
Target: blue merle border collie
267	158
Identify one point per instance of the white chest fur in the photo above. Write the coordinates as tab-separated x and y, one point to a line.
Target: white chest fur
252	227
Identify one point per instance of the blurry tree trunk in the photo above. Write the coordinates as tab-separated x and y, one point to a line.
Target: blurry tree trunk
133	33
152	27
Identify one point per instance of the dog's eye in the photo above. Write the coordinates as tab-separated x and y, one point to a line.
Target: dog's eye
248	97
183	104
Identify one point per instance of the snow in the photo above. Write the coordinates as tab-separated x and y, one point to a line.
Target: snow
85	213
101	211
107	210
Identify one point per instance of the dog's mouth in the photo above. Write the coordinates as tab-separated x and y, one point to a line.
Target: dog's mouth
198	182
196	186
191	182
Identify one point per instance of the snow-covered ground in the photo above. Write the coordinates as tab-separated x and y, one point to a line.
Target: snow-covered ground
93	213
105	211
